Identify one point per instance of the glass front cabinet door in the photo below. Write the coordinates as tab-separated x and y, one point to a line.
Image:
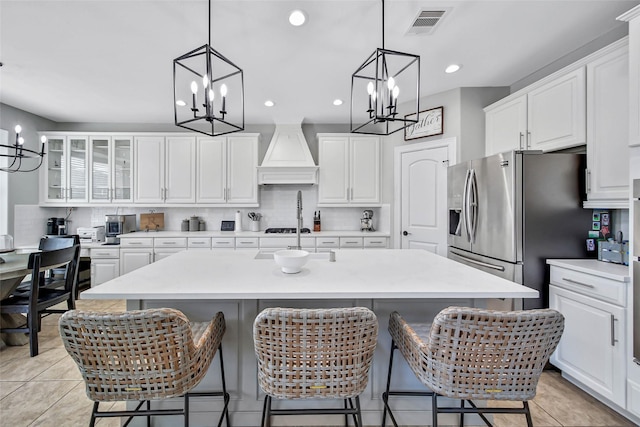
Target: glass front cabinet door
66	177
111	169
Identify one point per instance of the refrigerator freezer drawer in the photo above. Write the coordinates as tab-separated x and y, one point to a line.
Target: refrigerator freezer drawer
498	268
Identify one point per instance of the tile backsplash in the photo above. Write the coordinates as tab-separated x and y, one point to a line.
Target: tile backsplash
277	206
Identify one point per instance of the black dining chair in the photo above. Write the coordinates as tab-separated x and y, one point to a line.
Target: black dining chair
38	300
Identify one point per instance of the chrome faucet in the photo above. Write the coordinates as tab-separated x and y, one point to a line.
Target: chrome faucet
299	216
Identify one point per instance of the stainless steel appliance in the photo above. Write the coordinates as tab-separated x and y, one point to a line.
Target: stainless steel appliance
636	271
509	212
118	224
57	226
366	222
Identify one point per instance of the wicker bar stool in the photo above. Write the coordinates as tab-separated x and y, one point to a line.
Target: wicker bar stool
475	354
314	354
143	355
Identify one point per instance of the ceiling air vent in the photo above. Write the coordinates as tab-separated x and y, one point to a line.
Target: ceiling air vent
426	21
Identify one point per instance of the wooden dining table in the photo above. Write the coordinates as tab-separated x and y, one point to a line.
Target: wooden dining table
12	272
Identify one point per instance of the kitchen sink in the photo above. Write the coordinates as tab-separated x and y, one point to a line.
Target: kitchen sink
312	255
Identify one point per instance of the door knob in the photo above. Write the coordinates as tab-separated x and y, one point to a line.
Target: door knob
405	233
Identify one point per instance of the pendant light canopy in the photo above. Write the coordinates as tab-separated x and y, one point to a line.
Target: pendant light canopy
385	91
208	91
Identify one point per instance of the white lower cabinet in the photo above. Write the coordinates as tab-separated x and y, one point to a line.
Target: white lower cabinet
592	347
135	252
105	265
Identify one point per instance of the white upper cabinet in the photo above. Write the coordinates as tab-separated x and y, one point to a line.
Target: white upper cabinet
548	116
110	166
164	169
349	170
608	130
227	170
556	113
65	177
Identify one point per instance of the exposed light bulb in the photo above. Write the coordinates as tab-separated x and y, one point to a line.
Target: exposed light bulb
194	87
396	92
374	95
391	83
370	88
223	89
43	139
211	95
21	140
18	128
205	81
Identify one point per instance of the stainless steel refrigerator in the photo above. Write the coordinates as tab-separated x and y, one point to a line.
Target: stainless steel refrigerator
509	212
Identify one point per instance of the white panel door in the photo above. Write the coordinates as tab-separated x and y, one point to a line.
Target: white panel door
180	177
149	169
211	170
506	126
242	169
333	158
556	113
424	200
365	170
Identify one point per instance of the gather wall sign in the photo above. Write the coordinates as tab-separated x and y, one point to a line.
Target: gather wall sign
430	123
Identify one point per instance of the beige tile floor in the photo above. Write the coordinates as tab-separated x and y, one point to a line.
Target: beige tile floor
48	390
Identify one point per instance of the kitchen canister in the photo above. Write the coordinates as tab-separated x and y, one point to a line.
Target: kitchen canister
255	225
202	226
185	225
238	221
194	223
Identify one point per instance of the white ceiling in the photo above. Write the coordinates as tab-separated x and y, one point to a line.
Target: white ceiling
111	61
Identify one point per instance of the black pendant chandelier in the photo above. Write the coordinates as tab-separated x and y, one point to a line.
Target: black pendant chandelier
16	154
385	91
208	91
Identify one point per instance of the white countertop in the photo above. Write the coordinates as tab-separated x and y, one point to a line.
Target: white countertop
377	273
609	270
169	233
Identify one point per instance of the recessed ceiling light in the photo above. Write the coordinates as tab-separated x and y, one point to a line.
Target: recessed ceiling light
337	102
297	18
180	103
452	68
269	103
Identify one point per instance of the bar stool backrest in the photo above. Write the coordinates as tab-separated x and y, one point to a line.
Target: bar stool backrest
138	355
490	355
314	353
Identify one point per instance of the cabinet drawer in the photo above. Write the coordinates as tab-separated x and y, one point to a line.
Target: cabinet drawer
199	242
170	242
327	242
591	285
105	253
375	242
137	242
223	242
351	242
246	242
307	243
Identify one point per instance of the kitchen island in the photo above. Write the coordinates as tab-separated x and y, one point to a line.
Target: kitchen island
243	282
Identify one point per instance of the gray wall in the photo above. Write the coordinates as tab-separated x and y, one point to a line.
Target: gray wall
23	187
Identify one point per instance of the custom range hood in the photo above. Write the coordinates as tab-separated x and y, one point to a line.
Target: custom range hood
288	159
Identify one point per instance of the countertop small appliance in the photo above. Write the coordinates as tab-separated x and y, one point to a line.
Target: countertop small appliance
118	224
91	234
366	222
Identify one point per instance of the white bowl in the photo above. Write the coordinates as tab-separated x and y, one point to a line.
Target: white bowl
291	260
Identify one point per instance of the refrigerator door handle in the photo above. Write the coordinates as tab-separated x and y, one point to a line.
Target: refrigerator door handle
473	205
465	205
480	263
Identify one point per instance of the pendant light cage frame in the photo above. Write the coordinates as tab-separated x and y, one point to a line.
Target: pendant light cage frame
381	114
207	111
17	153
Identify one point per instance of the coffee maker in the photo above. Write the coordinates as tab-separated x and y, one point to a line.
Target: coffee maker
366	222
57	226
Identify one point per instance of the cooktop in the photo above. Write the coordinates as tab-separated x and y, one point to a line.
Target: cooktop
286	230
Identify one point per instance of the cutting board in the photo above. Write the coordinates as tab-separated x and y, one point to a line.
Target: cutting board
151	221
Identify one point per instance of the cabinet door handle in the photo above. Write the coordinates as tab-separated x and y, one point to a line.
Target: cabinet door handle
228	194
135	243
376	241
197	243
224	194
613	331
222	243
575	282
168	243
528	139
587	180
521	137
